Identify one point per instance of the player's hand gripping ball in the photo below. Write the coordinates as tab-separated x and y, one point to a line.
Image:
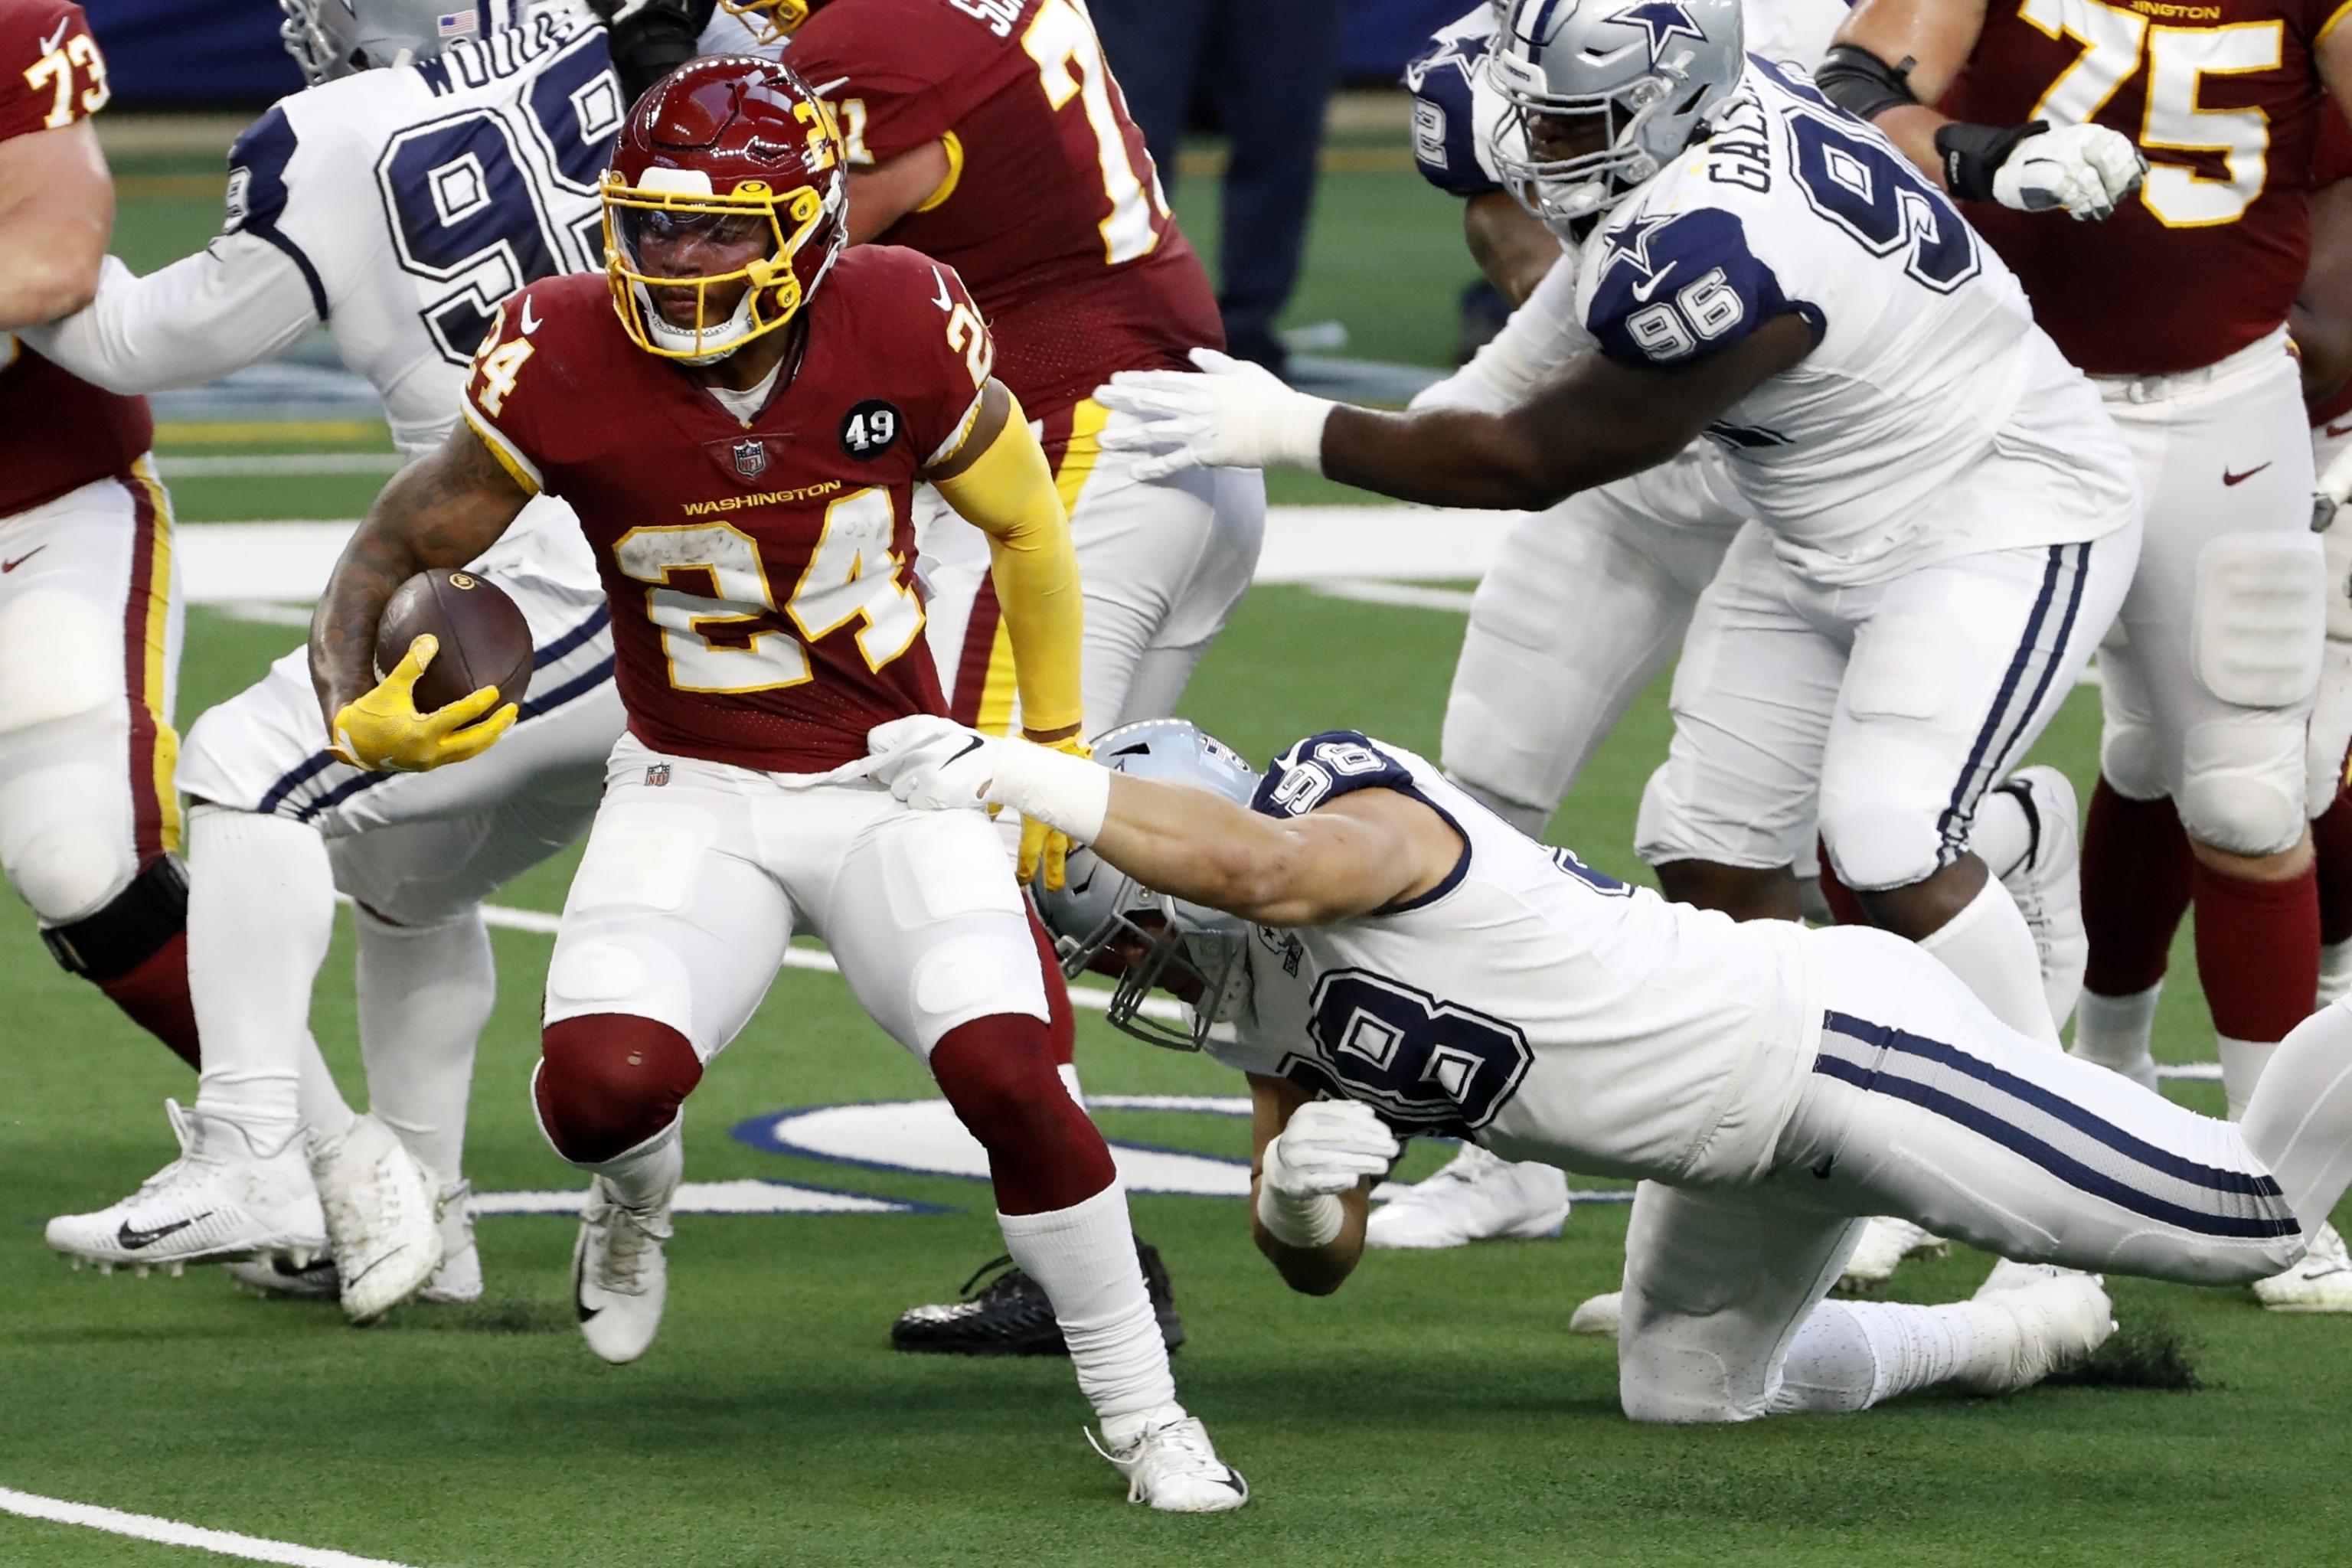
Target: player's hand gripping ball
455	690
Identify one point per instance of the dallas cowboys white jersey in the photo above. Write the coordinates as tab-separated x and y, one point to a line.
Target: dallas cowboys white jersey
1456	111
415	200
1927	361
1529	1002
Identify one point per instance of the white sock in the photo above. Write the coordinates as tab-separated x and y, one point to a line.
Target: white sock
426	993
644	1177
1987	944
2002	833
1084	1257
261	909
1849	1355
2335	972
2115	1032
2242	1062
2300	1122
326	1115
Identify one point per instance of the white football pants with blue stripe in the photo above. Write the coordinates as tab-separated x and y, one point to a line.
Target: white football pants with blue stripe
1921	1105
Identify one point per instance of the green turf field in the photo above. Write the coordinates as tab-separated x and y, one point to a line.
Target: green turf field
1435	1411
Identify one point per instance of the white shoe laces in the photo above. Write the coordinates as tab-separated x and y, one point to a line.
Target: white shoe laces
631	1241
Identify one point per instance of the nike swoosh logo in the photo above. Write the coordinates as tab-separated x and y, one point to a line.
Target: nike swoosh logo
530	322
9	566
49	44
968	748
2229	479
946	302
132	1240
1649	286
826	90
2340	429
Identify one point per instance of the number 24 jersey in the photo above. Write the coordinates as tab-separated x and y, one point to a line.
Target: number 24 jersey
761	570
1546	1009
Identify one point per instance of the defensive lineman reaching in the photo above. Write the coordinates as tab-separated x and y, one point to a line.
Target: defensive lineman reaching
739	413
488	143
1948	517
1375	937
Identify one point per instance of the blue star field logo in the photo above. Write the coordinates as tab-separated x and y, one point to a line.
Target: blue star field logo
1664	21
1630	242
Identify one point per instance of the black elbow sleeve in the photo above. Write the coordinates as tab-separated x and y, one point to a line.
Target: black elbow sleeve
1863	85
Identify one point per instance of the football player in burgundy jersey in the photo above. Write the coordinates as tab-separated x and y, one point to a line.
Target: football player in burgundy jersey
738	415
89	625
2177	304
991	135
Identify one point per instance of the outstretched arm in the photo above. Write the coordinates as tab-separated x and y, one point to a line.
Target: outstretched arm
1355	855
442	510
237	302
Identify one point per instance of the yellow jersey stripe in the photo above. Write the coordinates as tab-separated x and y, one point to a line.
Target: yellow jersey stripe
156	641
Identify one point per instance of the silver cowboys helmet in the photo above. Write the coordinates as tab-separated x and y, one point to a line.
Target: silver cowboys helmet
329	38
1100	905
1650	70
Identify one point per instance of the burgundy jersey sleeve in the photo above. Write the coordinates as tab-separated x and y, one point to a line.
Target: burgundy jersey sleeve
530	383
934	337
51	72
2332	158
893	87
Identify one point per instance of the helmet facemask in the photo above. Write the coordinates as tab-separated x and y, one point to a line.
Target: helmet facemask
674	207
769	21
1167	945
1562	191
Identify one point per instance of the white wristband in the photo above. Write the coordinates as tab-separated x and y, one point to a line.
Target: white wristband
1294	1220
1062	791
1294	437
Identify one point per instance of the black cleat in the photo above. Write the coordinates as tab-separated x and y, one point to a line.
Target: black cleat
1009	1314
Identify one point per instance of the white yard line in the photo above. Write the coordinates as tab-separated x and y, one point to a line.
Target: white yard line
172	1533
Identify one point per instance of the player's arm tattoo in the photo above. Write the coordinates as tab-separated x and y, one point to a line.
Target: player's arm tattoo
1594	421
441	511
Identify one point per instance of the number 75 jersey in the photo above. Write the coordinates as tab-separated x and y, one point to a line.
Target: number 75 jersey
760	569
2224	99
1527	1001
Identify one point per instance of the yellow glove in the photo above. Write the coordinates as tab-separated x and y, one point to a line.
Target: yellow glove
1049	846
383	732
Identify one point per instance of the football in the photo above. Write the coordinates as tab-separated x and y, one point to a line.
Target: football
484	639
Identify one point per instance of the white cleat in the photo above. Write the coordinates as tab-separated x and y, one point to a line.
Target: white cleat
1171	1466
460	1278
2047	885
1598	1314
383	1219
1884	1243
2322	1282
1475	1196
2031	1320
222	1198
620	1278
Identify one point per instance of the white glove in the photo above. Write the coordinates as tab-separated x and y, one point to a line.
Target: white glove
1328	1147
932	763
1234	414
2086	169
936	764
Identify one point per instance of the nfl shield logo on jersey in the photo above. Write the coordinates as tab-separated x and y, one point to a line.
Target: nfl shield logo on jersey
751	457
656	776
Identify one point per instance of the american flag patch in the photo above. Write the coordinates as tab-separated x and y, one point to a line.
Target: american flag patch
451	24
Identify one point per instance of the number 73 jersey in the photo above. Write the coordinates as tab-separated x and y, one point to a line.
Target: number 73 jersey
2224	99
1527	1001
761	570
